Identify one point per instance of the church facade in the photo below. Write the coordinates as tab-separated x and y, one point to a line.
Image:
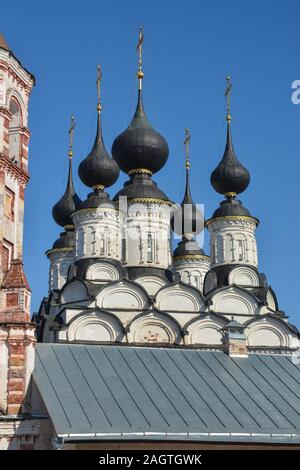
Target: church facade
151	322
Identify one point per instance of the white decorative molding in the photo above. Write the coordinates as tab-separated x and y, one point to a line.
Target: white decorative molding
95	327
98	233
102	272
151	284
271	303
233	300
60	260
233	240
179	298
154	328
205	331
122	295
243	276
268	333
147	219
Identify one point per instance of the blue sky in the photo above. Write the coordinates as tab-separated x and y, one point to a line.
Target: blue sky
189	48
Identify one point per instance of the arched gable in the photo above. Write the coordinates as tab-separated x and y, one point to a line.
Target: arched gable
210	282
179	297
234	300
123	295
102	272
97	326
151	283
243	276
154	327
271	300
270	332
74	291
206	330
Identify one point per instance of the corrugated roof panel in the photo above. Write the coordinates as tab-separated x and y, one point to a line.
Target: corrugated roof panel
140	393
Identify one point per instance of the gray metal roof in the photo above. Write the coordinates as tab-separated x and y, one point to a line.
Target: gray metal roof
122	392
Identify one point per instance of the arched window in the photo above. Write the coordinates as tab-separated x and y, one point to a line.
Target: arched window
220	248
149	248
80	242
102	244
124	249
230	252
240	244
15	124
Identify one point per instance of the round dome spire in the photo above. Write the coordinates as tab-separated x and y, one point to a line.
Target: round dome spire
187	220
98	170
230	177
140	149
70	201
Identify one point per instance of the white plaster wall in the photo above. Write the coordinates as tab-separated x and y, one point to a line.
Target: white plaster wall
148	219
102	272
179	298
98	234
60	261
234	301
151	284
226	234
192	272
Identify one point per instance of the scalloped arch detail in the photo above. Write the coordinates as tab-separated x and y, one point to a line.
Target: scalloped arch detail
243	276
122	295
102	272
179	298
266	333
234	301
94	327
205	331
151	284
154	328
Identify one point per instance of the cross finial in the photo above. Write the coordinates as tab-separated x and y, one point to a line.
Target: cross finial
140	73
70	132
186	143
98	83
228	96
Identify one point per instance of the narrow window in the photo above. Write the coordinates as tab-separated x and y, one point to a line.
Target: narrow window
9	204
102	244
7	255
124	250
149	248
14	131
240	250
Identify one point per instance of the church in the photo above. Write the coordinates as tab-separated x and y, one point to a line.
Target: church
138	343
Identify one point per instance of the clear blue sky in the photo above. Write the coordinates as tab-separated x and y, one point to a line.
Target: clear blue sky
189	48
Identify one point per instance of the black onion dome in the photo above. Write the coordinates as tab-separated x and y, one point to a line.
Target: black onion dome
187	219
141	186
231	207
230	176
97	199
69	203
140	146
188	247
98	168
65	240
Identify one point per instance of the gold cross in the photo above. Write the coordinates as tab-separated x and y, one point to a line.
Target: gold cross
98	83
70	132
140	73
186	143
139	46
228	96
